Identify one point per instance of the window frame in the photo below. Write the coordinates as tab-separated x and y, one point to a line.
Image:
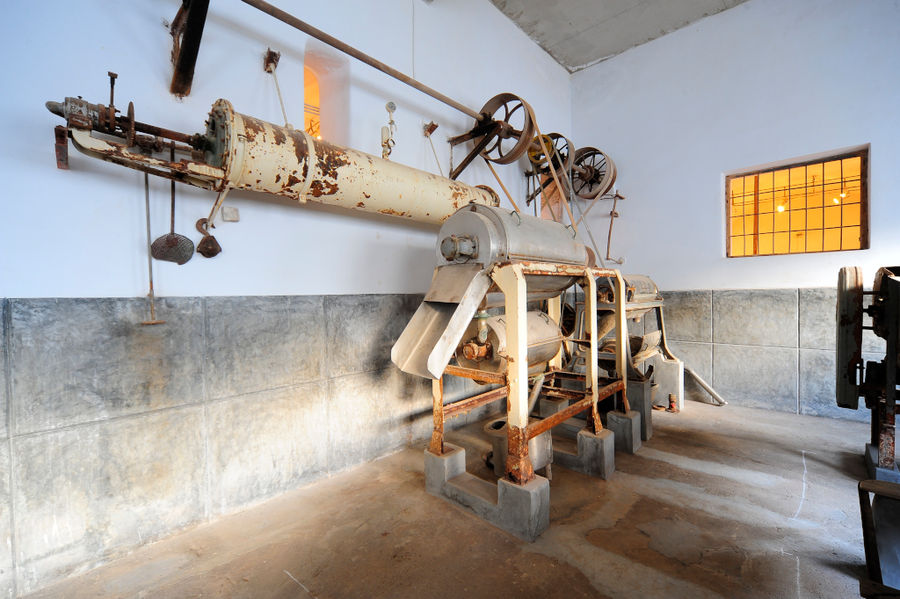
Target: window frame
861	152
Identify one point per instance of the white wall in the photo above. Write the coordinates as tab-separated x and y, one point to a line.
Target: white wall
81	232
766	81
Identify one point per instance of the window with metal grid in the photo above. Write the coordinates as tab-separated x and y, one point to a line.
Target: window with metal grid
804	207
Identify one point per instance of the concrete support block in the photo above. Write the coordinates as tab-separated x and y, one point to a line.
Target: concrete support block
669	375
548	406
627	429
441	468
891	475
640	397
595	457
540	449
523	510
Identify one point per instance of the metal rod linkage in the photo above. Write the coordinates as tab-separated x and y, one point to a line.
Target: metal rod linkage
320	35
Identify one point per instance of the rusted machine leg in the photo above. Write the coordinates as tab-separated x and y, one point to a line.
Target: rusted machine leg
190	47
437	435
554	311
886	436
511	280
622	341
590	379
62	146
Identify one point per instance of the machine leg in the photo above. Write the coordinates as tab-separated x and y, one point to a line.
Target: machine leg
437	435
886	436
590	379
511	280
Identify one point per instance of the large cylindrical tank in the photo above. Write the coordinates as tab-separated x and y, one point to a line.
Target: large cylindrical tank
489	235
260	156
483	345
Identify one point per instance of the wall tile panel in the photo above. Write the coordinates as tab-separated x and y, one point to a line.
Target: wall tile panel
82	360
756	377
688	315
266	443
259	343
756	317
361	329
86	493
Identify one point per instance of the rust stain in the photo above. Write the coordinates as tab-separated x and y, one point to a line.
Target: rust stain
329	158
360	205
322	188
280	137
393	212
367	195
300	150
518	466
292	181
278	177
253	127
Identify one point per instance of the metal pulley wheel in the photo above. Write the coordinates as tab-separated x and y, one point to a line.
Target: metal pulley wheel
514	116
560	149
593	173
849	313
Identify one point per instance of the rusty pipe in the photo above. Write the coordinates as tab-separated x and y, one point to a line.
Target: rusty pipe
259	156
320	35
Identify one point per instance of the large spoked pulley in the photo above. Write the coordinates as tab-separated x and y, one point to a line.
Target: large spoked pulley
560	148
516	128
501	135
593	173
849	312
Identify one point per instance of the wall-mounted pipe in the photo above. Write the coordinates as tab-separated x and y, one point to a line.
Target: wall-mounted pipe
242	152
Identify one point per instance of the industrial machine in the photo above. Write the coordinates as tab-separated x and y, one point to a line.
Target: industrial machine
652	370
241	152
874	381
877	383
489	257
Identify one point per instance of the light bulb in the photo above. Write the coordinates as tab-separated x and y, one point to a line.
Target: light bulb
836	201
780	209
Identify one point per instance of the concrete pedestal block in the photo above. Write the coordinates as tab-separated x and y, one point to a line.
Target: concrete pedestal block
891	475
441	468
596	454
627	429
523	510
669	375
548	406
540	449
640	397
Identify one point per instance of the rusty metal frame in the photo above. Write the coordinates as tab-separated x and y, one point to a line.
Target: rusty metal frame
510	278
188	46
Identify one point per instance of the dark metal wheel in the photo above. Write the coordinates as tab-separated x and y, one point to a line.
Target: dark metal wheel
516	131
593	173
849	315
560	149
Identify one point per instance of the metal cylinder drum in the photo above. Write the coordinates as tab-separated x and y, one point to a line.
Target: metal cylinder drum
489	235
260	156
483	345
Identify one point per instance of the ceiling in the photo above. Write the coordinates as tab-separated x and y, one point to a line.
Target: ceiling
579	33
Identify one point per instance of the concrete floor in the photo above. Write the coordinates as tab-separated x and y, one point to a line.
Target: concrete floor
721	502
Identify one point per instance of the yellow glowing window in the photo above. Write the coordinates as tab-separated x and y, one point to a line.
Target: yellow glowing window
819	206
311	121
